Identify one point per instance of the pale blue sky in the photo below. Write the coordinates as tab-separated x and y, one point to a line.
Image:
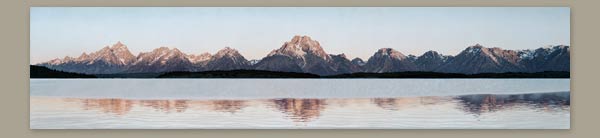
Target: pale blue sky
255	31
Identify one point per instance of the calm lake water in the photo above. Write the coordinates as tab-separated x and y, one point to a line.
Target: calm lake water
300	103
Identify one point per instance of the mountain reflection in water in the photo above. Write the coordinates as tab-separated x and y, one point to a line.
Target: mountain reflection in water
300	110
395	104
122	106
478	104
307	110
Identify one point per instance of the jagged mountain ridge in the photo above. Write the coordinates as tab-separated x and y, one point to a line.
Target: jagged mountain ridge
389	60
118	59
227	59
302	54
485	60
111	59
479	59
552	58
162	59
431	60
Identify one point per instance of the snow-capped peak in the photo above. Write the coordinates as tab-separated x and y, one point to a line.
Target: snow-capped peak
540	52
474	49
160	55
117	54
551	48
434	55
118	45
390	52
358	61
299	46
230	54
526	54
227	52
477	49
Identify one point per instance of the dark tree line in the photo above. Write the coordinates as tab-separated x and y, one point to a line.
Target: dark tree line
43	72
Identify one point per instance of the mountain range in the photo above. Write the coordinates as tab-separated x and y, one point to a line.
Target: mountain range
304	55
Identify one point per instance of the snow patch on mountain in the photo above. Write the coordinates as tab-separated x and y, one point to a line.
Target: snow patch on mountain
299	47
199	58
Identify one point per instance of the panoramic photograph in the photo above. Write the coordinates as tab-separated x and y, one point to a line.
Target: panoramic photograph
299	68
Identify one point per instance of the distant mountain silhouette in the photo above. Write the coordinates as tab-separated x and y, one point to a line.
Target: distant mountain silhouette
389	60
302	54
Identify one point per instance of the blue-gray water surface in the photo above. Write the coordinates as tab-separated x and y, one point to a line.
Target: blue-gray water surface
300	103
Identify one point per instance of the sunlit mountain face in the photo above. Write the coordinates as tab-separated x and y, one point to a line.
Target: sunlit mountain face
303	54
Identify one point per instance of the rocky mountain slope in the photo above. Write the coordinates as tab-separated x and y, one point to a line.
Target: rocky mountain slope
305	55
